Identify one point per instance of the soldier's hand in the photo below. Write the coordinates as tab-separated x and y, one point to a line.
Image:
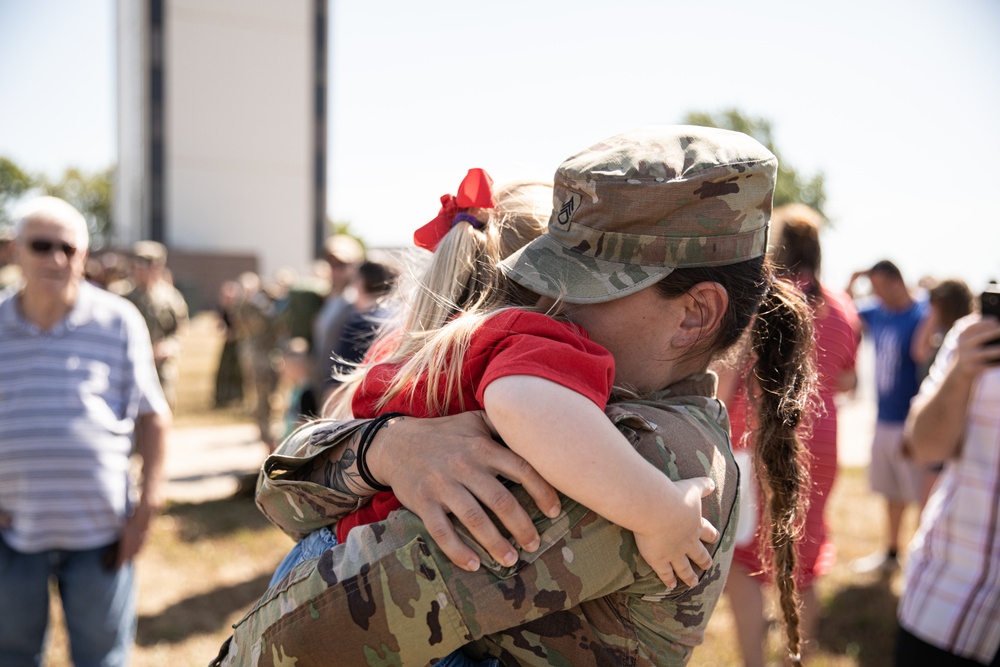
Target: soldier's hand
449	465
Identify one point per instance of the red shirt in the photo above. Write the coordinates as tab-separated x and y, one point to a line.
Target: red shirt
837	332
512	342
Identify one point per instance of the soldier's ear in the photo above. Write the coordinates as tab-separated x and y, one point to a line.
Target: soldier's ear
703	308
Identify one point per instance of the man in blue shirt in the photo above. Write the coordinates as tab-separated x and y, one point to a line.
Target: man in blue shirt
78	395
890	319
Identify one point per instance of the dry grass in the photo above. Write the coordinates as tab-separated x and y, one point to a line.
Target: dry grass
196	389
207	563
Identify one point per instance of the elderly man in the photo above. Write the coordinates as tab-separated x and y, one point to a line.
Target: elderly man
77	386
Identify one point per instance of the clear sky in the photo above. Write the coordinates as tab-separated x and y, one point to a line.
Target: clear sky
895	101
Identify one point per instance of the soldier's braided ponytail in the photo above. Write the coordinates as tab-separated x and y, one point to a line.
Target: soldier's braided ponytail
781	338
784	374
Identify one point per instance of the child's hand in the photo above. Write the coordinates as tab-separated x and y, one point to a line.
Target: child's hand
676	546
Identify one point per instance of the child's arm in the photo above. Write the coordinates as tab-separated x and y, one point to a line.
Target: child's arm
576	448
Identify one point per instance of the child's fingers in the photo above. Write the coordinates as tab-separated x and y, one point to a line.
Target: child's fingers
703	485
667	577
708	532
700	557
685	572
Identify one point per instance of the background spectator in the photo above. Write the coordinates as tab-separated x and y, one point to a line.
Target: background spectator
229	376
891	319
163	308
947	302
262	315
949	610
296	374
78	392
343	254
369	312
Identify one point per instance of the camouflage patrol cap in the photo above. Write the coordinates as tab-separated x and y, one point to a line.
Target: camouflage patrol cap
150	251
630	209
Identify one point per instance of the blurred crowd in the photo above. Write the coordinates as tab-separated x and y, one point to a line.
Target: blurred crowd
289	339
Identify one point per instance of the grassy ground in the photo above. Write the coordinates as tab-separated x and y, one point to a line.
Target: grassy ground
206	563
196	388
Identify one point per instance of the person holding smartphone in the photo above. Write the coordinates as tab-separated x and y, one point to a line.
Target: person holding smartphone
951	592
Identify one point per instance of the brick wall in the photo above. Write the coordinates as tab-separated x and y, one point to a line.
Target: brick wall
199	275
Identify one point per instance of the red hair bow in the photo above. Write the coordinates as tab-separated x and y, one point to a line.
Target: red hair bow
476	191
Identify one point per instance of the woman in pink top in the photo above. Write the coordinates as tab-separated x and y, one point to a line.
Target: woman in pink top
837	332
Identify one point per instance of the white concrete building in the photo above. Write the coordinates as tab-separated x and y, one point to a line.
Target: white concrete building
222	129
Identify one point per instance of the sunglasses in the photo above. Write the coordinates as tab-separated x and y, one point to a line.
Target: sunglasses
45	246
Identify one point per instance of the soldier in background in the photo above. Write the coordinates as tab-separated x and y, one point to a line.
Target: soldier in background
262	316
229	375
164	309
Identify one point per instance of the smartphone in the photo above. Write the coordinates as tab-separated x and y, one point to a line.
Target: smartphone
989	301
989	304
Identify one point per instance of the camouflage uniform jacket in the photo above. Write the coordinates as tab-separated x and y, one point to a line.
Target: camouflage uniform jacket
388	596
164	309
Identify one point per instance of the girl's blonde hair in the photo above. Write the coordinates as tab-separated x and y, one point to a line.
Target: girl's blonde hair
460	287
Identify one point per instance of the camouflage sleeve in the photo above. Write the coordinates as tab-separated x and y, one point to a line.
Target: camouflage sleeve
284	494
389	596
181	311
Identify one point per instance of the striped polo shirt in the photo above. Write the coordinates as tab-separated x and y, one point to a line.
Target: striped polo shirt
68	402
951	596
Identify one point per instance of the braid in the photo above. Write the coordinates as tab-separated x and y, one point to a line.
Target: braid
783	368
781	338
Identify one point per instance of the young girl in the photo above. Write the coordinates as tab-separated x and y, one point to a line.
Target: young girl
448	355
491	357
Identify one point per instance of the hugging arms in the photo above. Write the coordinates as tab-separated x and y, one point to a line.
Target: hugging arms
390	593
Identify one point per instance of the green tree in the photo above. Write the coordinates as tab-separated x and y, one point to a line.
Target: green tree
791	185
14	182
91	194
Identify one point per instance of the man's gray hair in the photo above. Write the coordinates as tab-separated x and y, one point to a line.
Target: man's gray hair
54	209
